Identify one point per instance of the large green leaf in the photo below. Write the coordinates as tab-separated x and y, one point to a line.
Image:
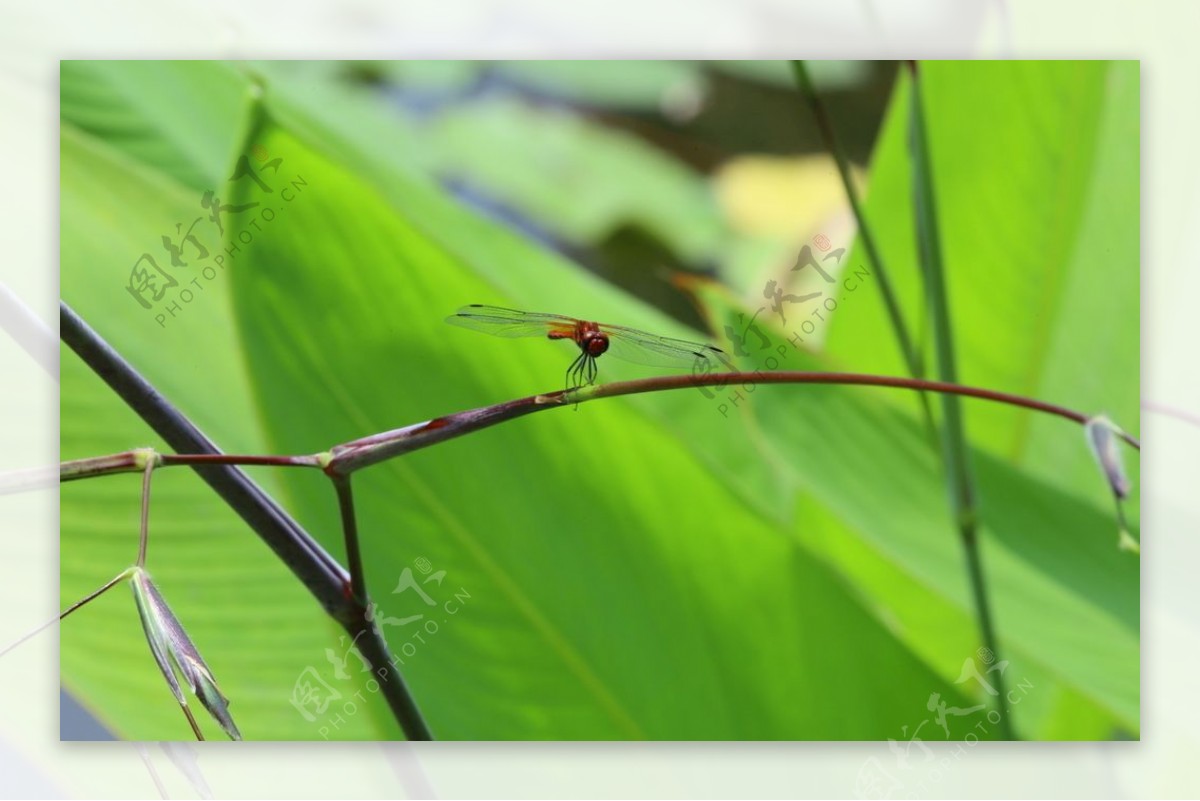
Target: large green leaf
1036	173
179	118
603	561
515	273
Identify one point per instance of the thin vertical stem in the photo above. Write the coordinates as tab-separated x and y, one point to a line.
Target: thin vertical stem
954	444
367	637
908	350
358	579
192	720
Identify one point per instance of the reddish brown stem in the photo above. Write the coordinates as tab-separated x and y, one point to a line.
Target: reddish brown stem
361	453
228	458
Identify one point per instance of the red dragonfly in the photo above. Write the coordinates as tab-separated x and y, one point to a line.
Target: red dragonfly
593	340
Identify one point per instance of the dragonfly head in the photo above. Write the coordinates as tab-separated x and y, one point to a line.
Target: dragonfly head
594	343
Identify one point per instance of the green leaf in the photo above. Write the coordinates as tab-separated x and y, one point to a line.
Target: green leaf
1036	170
180	117
589	557
515	275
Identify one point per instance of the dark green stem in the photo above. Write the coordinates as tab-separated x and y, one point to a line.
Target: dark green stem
319	571
367	637
954	444
358	579
908	350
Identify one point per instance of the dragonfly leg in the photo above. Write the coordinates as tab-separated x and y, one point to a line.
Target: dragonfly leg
573	372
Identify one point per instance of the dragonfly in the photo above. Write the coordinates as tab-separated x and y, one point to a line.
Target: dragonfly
593	340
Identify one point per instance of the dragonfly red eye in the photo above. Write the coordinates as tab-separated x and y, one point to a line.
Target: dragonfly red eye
595	344
593	339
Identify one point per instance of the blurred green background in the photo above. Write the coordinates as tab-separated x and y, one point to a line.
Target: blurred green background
670	566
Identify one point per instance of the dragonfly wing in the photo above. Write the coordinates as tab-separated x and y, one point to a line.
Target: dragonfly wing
502	322
640	347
